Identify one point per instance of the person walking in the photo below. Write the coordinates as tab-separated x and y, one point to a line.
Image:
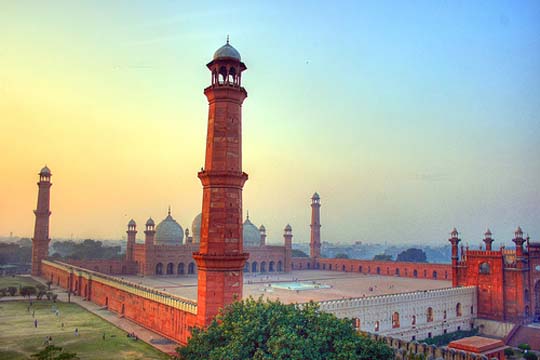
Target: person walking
35	323
76	331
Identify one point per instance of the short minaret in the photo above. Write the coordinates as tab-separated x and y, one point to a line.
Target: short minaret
287	238
454	240
40	241
488	240
315	243
262	230
189	239
131	234
519	240
149	232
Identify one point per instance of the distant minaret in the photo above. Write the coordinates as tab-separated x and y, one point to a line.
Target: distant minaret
262	231
40	241
315	244
287	239
131	234
454	240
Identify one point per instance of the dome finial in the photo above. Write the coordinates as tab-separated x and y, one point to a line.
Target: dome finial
169	213
247	216
227	39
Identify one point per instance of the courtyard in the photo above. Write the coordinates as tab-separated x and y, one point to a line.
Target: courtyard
316	285
95	338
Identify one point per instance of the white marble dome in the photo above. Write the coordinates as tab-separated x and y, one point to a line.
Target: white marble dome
169	232
227	52
196	229
252	235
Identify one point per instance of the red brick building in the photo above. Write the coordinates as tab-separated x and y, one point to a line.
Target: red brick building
508	281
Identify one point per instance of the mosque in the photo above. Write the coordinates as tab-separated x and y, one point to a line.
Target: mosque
497	288
168	249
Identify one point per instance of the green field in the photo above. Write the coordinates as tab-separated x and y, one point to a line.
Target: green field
19	338
6	281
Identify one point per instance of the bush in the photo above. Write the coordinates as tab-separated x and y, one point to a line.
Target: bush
445	339
524	347
508	352
28	291
530	356
12	290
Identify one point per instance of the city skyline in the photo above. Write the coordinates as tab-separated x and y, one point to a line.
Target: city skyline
405	130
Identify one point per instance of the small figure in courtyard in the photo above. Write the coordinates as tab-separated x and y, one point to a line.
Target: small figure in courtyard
62	326
35	323
76	331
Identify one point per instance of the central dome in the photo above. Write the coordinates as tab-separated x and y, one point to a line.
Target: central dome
227	51
196	229
252	236
169	232
250	233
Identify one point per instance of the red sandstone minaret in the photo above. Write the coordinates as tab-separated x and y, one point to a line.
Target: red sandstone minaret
149	234
221	259
315	244
262	231
40	241
287	239
131	233
454	240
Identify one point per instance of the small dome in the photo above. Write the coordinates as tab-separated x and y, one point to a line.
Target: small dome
316	196
45	171
150	222
132	223
454	232
227	52
262	228
519	231
288	228
196	229
169	232
488	233
252	236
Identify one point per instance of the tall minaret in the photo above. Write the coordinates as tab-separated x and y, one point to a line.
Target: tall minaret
315	244
287	239
221	258
40	241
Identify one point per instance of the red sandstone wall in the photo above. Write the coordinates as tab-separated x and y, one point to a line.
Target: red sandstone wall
386	268
110	267
163	319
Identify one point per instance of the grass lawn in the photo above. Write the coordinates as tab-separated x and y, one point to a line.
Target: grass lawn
16	280
19	338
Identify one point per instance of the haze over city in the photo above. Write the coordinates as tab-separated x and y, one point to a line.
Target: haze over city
407	122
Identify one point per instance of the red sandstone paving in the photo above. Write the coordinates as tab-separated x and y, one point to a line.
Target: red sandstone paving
343	285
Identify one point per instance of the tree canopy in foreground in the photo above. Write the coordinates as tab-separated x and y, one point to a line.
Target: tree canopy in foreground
257	329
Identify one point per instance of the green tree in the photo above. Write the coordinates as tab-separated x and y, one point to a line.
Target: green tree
298	253
341	256
412	255
257	329
52	352
383	257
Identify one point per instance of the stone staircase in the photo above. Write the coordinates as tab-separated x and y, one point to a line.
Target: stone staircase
528	335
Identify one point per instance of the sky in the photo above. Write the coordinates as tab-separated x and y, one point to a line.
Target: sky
407	117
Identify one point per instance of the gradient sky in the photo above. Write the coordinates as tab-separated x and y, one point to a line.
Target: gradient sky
408	117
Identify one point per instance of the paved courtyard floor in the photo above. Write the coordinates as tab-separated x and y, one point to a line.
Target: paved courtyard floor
341	285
